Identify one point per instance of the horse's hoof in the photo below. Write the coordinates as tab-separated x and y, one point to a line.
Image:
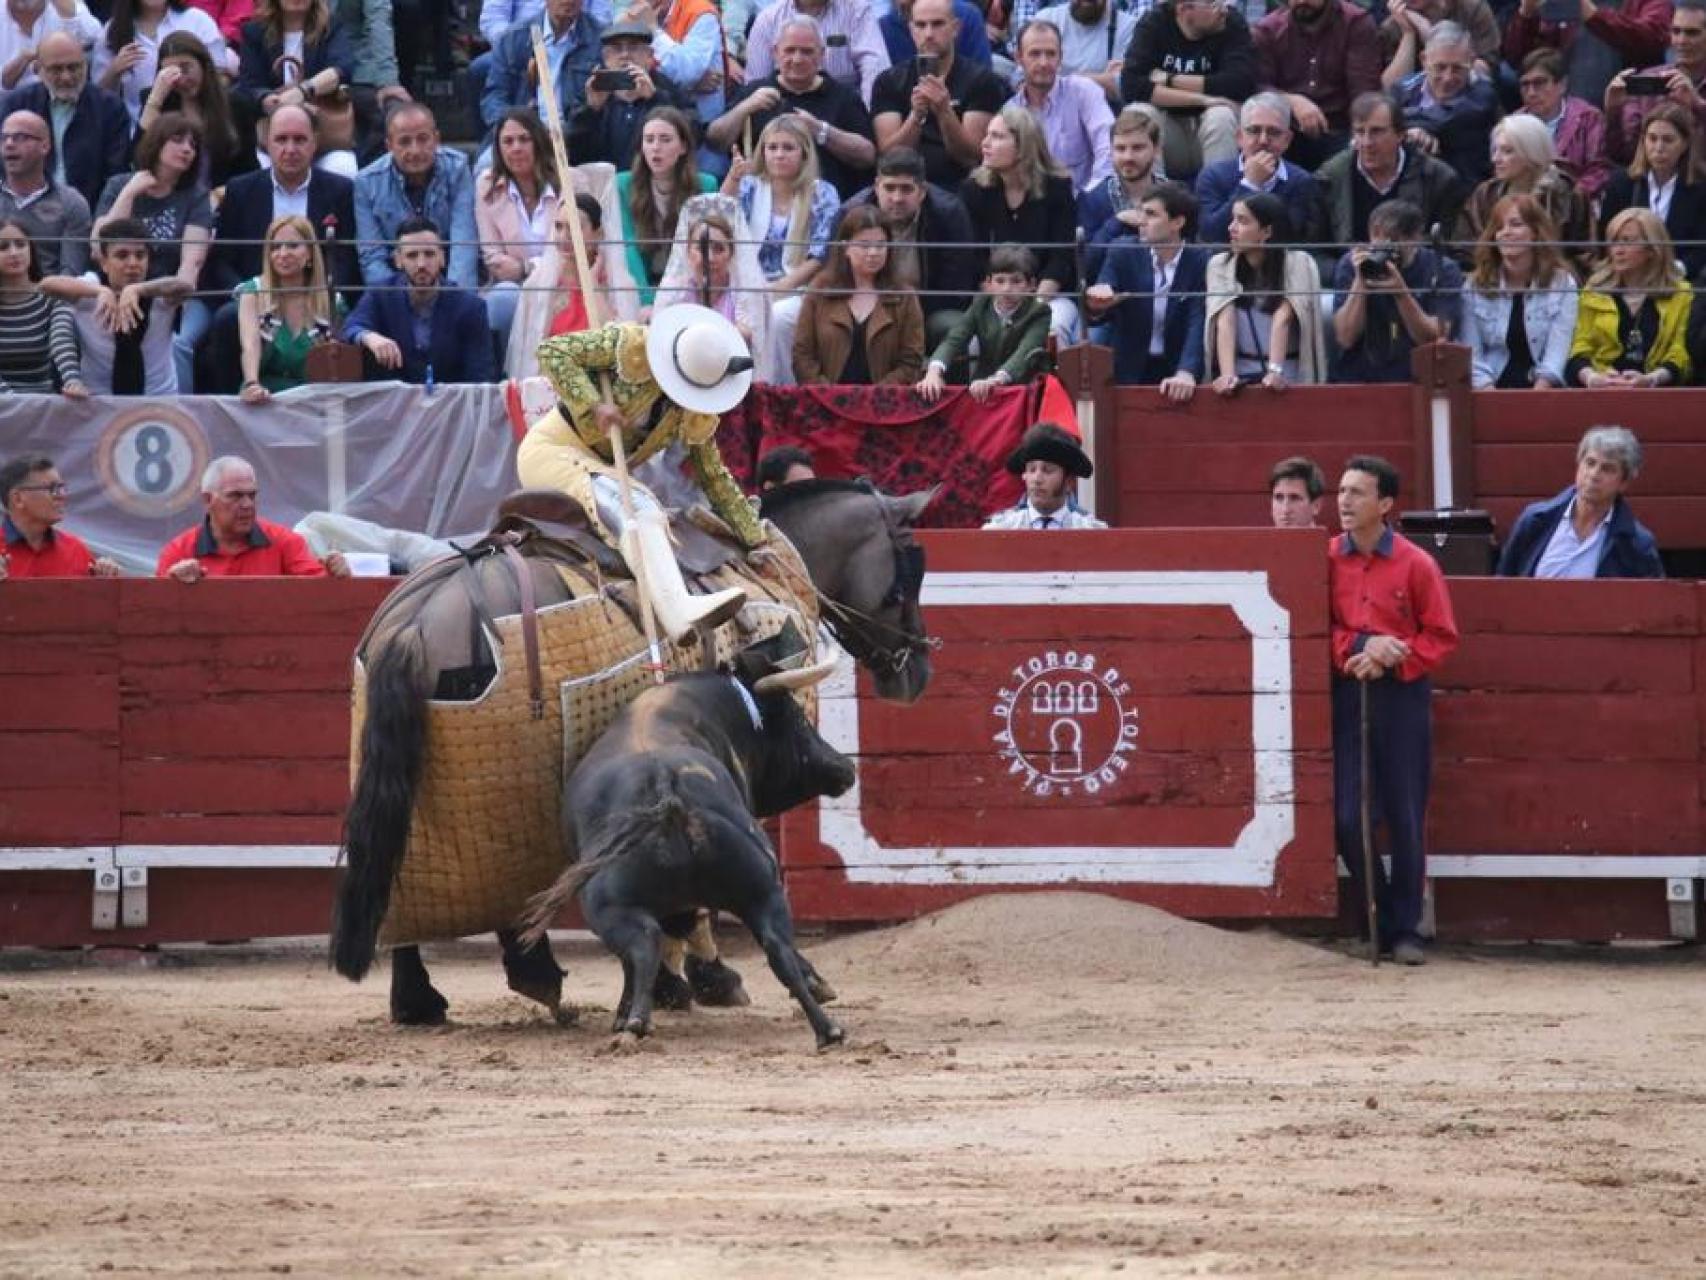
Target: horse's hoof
421	1013
715	985
671	992
833	1035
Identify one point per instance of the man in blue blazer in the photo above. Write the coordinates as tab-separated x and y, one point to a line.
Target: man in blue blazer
292	185
90	125
424	333
1264	135
1155	271
1589	530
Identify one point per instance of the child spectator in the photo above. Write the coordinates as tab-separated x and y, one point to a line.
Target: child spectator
38	339
1009	322
124	315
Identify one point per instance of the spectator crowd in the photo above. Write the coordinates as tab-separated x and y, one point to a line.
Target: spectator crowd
199	196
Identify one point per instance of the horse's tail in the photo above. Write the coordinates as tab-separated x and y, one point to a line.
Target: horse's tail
376	830
666	827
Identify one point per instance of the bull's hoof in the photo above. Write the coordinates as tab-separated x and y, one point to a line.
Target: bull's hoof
565	1015
833	1035
671	992
715	985
624	1042
426	1010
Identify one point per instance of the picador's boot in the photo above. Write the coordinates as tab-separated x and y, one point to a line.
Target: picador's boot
646	548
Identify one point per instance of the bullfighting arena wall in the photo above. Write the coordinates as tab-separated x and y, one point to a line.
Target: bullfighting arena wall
1139	712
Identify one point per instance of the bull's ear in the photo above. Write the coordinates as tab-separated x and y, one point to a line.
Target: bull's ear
801	678
912	505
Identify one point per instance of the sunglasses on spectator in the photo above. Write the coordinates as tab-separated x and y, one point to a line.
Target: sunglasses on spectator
57	490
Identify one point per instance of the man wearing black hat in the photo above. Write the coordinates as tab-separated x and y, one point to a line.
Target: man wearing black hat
1050	458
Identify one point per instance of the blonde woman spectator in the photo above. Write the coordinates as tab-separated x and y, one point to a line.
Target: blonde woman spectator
1019	195
285	312
1632	322
1522	301
1524	164
791	211
1264	305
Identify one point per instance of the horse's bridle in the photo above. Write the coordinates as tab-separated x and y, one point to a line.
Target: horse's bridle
852	627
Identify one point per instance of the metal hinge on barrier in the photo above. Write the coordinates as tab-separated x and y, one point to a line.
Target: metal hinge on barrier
135	900
103	911
1684	919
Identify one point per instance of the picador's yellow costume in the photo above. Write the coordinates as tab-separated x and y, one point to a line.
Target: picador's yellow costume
669	382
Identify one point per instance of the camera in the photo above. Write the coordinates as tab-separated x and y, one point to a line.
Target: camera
1647	86
929	64
612	79
1373	266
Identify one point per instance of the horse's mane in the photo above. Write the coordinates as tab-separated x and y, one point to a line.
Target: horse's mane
787	495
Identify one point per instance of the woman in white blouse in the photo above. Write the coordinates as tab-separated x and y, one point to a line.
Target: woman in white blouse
127	56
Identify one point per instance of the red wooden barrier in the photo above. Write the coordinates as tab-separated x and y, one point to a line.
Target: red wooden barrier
1525	449
1206	463
195	739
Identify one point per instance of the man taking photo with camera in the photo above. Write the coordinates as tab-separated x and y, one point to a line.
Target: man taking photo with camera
1392	295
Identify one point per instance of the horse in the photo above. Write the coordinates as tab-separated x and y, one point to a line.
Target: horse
429	641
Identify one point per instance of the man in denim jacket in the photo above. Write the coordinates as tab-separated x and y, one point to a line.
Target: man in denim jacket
416	178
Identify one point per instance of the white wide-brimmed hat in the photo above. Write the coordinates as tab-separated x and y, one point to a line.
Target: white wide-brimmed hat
698	358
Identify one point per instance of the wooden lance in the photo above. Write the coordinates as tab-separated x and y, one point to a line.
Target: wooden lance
595	320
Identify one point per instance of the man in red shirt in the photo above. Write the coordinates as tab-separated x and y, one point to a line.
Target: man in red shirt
32	500
232	541
1391	627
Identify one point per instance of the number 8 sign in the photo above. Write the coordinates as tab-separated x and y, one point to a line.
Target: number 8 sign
150	460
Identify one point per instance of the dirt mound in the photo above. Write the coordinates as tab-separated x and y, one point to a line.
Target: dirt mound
1052	938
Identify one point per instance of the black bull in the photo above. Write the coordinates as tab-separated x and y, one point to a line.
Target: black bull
857	545
660	811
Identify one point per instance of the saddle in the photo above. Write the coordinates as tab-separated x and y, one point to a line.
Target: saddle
704	543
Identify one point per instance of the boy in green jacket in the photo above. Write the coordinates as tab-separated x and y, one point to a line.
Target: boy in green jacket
1009	322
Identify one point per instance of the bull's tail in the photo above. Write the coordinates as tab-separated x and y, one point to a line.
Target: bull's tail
669	822
376	830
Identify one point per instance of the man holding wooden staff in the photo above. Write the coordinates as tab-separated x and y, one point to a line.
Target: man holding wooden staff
1392	626
649	395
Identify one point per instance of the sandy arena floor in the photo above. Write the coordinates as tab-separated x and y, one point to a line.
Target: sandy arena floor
1057	1084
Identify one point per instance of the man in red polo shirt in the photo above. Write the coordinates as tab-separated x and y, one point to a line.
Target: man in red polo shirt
1392	625
232	541
32	500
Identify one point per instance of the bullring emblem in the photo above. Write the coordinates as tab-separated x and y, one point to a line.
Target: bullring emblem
1065	730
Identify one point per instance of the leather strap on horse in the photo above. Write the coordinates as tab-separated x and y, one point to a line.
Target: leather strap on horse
529	629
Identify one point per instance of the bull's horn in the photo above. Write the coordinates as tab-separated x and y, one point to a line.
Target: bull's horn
802	678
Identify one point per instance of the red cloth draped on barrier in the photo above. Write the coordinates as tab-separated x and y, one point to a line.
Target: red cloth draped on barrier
890	436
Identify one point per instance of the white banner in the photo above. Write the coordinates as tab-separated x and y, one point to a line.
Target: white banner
385	452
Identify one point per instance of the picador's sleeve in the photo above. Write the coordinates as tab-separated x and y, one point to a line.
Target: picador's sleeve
570	363
713	475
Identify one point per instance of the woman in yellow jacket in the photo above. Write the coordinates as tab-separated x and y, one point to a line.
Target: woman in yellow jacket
1632	322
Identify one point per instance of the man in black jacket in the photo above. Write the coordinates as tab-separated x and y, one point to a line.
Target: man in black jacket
606	127
928	227
292	186
91	129
1195	62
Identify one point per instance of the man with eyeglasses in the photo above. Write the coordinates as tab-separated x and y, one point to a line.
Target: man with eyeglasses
1264	136
1320	54
32	496
1596	41
27	23
90	128
232	541
1380	166
55	217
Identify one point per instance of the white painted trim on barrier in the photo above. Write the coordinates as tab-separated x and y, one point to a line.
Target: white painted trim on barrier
1514	866
88	857
1249	861
218	856
1439	426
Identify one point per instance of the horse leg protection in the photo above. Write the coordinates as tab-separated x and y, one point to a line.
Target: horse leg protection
414	1001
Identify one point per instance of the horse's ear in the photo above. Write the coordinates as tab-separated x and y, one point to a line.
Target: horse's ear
912	505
